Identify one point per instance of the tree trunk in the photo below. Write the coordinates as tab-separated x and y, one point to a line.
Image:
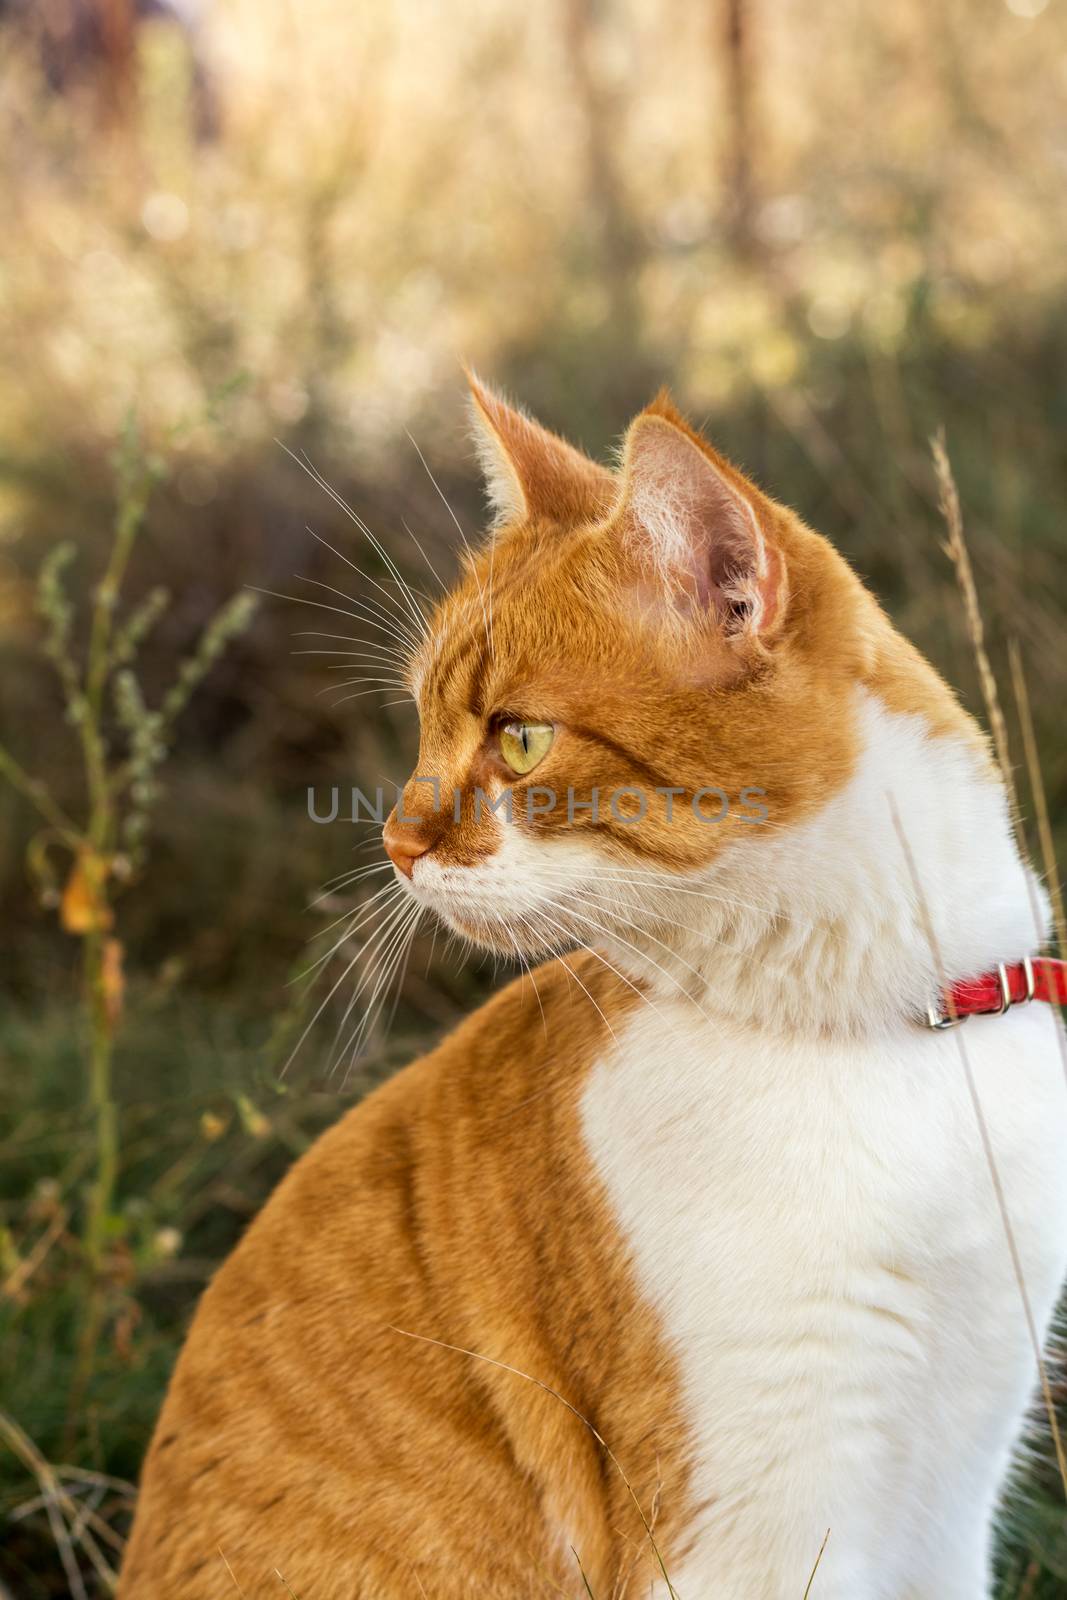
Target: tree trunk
740	140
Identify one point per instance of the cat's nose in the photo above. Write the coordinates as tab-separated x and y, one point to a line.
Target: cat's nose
405	843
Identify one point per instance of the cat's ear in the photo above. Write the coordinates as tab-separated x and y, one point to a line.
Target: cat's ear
530	472
692	519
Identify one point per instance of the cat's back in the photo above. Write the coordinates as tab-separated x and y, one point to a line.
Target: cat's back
311	1424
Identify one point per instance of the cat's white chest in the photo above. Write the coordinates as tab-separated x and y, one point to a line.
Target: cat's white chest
817	1228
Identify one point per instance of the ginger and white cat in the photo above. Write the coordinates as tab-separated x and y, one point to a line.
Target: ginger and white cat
686	1251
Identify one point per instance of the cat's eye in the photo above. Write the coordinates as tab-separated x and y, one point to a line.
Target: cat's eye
524	744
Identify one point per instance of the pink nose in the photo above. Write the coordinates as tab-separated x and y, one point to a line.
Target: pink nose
405	843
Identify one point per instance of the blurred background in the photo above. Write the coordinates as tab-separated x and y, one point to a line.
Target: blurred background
240	225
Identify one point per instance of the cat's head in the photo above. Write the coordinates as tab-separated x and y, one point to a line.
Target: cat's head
639	669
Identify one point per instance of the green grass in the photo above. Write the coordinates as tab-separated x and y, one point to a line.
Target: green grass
206	1131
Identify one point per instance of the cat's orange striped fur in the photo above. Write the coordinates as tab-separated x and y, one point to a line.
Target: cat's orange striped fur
304	1432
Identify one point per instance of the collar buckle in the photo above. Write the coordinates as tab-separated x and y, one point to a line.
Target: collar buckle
1006	1001
940	1020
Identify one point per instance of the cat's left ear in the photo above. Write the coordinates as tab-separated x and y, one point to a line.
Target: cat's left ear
530	472
700	527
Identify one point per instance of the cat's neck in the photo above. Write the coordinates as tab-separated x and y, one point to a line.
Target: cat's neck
819	927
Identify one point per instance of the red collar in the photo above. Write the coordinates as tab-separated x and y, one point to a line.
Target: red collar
1036	978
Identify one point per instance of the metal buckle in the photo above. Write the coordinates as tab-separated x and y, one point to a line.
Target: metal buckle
939	1021
1006	1001
1031	982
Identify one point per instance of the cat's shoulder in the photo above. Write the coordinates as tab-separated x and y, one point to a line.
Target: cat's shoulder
499	1091
531	1044
569	1006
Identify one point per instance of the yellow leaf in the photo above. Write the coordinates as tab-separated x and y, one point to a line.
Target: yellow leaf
84	908
212	1126
252	1118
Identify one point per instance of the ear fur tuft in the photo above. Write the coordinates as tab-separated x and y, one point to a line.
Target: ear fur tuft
503	490
531	472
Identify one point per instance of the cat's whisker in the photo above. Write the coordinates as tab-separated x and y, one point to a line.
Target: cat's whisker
418	546
661	878
357	919
550	942
371	614
382	658
642	955
350	1050
395	978
569	970
362	677
669	885
333	885
599	956
657	916
400	684
367	577
371	950
387	960
321	605
358	916
433	946
348	683
556	947
653	913
407	698
398	988
349	638
341	657
614	915
360	669
321	933
395	628
459	528
347	915
304	461
395	609
524	964
395	638
401	582
400	628
324	1003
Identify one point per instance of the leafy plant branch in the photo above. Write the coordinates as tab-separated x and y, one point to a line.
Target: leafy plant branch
122	743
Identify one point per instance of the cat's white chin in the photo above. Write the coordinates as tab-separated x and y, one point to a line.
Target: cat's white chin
500	937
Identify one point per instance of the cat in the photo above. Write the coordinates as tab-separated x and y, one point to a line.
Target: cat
680	1261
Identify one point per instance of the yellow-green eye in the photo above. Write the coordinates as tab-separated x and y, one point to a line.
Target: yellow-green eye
524	744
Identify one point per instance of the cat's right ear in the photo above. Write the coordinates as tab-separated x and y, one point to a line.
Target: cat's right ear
530	472
700	527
